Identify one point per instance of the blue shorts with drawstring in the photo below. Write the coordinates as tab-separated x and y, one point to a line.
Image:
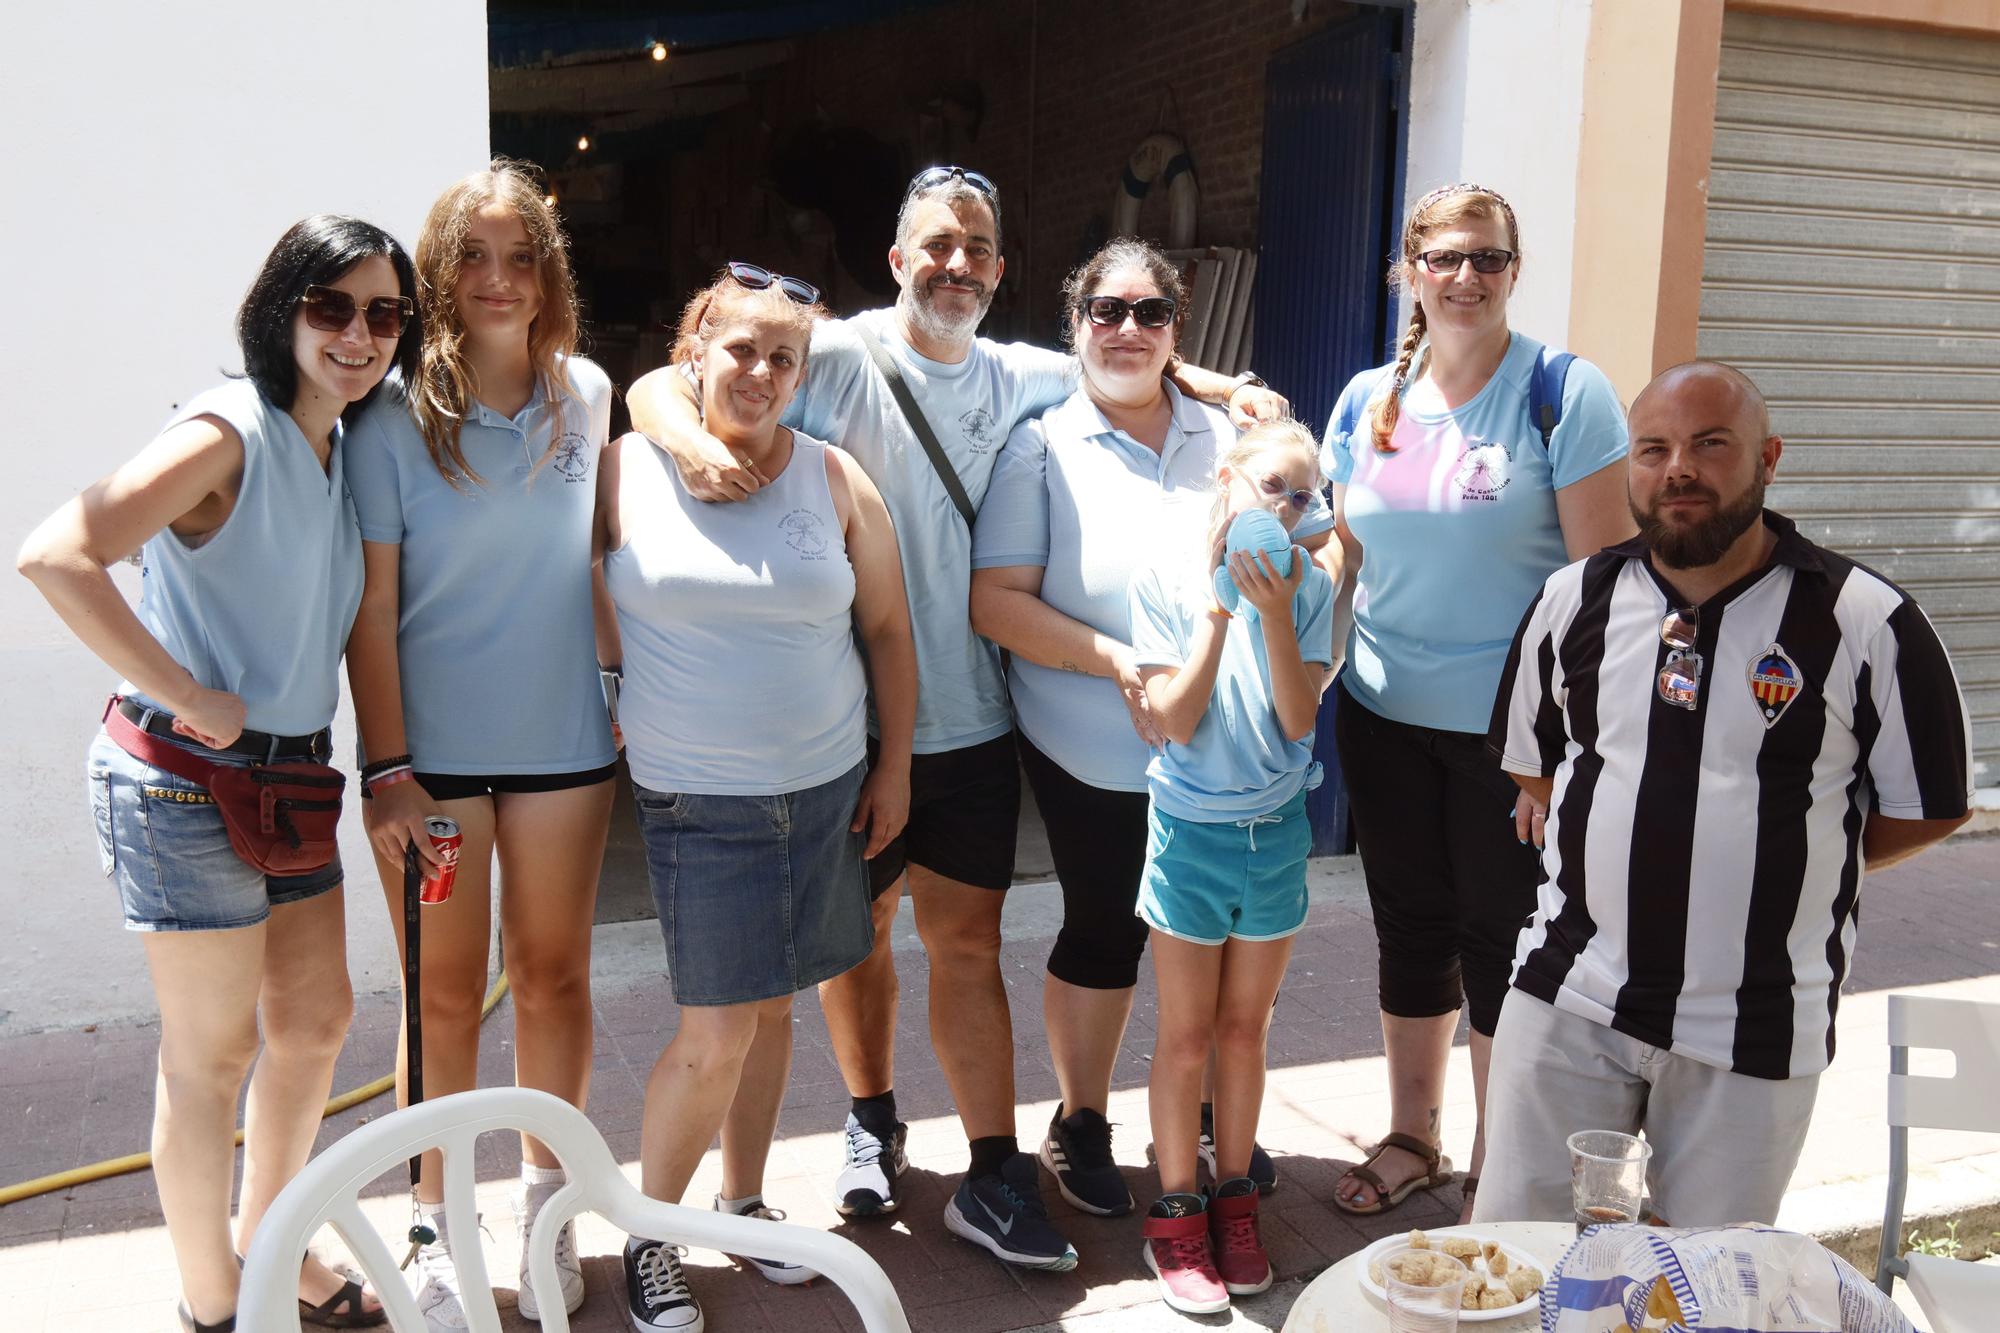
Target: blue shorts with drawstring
1242	879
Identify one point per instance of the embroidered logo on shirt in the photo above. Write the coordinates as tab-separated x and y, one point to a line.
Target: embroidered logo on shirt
1484	470
804	533
981	431
1775	680
571	458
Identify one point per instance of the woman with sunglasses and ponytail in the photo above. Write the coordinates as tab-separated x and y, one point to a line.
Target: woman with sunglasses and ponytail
239	513
475	664
1078	500
1454	508
756	637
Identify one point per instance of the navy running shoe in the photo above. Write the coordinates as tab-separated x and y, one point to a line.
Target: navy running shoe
1004	1214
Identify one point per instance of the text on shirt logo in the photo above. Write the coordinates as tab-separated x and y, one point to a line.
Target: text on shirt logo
1484	470
571	458
1775	680
981	431
804	533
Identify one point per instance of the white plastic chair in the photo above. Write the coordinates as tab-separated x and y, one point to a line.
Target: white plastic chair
1956	1296
328	1191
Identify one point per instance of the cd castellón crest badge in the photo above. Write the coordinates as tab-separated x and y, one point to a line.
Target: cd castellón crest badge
1775	680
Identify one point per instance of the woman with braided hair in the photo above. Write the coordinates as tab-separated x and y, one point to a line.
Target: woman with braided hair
1454	506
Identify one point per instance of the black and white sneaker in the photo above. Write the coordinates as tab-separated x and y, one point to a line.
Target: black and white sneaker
1004	1214
1077	1153
656	1294
784	1274
866	1186
1262	1169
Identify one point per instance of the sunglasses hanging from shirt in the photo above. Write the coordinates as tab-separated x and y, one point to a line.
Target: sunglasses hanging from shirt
1679	681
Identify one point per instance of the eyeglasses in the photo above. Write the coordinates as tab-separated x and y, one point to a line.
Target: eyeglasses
1148	312
932	177
1679	681
1301	498
330	310
1444	262
757	279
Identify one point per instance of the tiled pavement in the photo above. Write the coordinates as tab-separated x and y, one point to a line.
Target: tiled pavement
95	1257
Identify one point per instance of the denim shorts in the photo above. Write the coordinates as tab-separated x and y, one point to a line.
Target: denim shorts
758	896
161	840
1243	879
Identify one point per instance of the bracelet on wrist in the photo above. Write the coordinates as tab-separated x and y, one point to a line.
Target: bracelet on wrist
384	765
389	778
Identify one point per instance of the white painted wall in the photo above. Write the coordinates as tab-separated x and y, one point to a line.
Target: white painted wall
153	154
1496	96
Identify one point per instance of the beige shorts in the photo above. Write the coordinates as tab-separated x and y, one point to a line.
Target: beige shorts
1724	1144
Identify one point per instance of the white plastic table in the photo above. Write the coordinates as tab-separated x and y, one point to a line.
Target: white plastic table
1336	1302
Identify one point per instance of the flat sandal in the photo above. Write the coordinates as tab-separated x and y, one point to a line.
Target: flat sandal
1437	1171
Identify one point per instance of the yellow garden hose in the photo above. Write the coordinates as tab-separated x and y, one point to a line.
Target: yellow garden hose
139	1161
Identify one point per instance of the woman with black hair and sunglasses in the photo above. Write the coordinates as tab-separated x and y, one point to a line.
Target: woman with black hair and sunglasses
475	665
756	636
1078	501
240	514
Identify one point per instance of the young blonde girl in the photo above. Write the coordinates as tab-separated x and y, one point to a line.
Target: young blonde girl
1236	696
474	660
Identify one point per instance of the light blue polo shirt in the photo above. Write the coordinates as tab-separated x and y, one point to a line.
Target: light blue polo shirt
971	407
1238	763
1091	506
496	642
263	606
1458	529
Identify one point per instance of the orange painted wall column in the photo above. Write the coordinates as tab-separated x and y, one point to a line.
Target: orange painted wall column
1642	185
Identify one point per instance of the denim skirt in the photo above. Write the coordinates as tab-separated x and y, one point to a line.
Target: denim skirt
758	896
161	840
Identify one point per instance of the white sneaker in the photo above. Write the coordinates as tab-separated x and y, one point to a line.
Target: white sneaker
569	1269
866	1186
784	1274
438	1293
656	1292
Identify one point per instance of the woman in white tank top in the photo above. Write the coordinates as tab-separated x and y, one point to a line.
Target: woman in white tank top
745	711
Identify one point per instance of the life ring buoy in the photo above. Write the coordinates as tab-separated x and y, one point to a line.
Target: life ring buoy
1160	155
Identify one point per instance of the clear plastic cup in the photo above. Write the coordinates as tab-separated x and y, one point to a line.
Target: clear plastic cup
1607	1176
1423	1290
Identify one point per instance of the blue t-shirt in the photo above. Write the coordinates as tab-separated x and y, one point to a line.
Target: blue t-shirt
971	407
1458	529
262	607
495	637
1088	504
1238	763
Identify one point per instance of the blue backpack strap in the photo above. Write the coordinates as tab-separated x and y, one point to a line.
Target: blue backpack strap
1545	392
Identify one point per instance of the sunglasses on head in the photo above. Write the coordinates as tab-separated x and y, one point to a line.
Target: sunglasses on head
1148	312
330	310
932	177
1301	498
1679	681
1444	262
757	279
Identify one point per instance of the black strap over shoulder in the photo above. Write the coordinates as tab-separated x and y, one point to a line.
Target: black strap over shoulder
920	425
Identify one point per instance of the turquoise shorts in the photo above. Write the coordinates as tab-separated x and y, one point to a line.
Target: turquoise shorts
1242	879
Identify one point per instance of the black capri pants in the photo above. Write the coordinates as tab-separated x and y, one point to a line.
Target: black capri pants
1097	839
1449	882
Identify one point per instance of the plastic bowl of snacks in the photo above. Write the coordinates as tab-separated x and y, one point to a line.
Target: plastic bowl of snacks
1506	1280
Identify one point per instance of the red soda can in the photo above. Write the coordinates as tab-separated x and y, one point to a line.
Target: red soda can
438	880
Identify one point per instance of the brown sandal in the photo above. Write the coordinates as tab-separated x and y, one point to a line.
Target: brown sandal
1437	1171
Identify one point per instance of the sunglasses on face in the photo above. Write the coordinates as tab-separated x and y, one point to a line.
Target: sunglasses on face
1447	262
330	310
757	279
1301	499
932	177
1679	681
1148	312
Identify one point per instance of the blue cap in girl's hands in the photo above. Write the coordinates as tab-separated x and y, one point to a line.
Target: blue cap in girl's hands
1252	530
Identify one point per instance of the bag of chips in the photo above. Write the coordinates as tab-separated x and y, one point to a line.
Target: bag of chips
1747	1279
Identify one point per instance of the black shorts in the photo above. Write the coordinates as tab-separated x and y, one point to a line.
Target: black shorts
464	786
1097	839
965	806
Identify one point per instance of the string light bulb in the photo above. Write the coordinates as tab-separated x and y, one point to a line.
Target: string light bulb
659	51
583	143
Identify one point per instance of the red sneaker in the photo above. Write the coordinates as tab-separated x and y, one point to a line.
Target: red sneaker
1234	1239
1176	1231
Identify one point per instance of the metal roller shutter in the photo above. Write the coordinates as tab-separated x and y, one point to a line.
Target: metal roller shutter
1853	270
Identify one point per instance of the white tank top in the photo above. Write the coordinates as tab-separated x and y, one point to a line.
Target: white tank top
741	671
